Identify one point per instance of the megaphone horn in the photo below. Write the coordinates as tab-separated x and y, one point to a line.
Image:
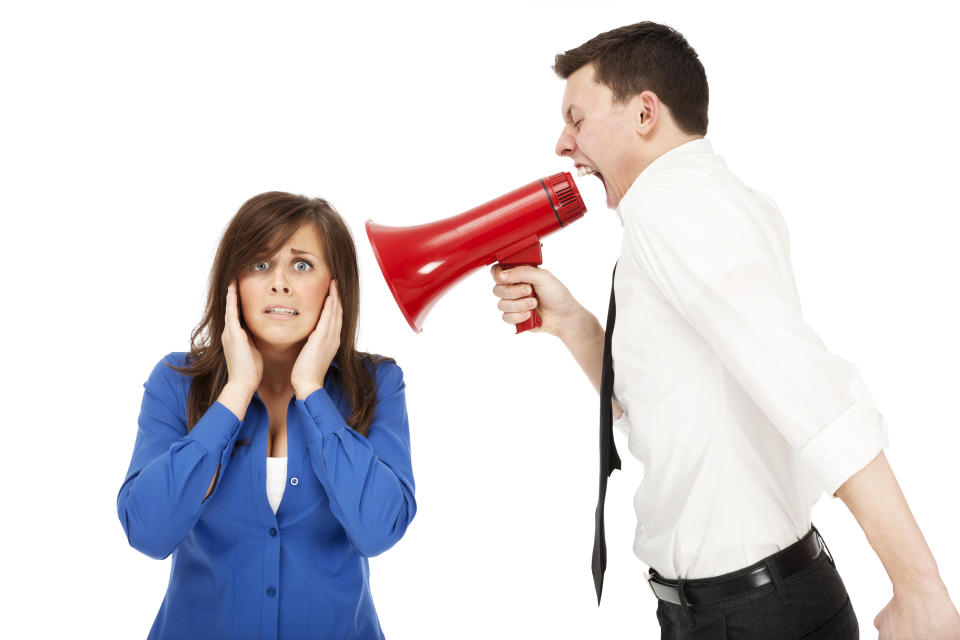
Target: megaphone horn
421	262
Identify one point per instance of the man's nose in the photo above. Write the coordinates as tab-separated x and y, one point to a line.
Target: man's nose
564	144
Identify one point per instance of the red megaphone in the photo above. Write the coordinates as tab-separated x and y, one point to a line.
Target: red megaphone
421	262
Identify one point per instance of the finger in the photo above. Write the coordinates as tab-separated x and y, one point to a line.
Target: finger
516	306
523	273
335	295
322	320
231	304
336	320
514	318
512	291
327	314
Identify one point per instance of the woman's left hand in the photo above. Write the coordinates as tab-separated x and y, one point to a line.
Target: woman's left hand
322	344
909	615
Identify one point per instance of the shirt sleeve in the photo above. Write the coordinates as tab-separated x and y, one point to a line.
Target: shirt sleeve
369	480
162	495
721	281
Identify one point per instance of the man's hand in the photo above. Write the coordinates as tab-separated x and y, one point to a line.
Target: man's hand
921	607
558	308
561	314
917	615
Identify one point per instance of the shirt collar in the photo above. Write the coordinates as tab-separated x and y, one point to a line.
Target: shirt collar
696	146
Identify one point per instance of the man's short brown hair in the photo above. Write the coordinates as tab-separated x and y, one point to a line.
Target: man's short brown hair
646	57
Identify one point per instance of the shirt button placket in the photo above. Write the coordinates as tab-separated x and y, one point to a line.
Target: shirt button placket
271	584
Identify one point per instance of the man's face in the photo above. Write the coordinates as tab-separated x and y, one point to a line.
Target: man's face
600	134
296	278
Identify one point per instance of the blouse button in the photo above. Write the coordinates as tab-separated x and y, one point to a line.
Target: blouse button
271	591
294	481
272	532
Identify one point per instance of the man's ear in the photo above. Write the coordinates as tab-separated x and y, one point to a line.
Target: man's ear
647	112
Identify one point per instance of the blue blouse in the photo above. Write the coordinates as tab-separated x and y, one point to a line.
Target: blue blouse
238	569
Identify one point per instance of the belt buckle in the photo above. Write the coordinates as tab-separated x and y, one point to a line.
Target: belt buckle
649	578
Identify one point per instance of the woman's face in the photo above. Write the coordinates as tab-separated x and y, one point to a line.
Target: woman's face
296	279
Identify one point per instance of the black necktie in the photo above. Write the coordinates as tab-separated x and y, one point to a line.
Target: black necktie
609	460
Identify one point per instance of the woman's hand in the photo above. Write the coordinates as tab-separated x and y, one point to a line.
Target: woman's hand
322	344
914	615
244	362
515	288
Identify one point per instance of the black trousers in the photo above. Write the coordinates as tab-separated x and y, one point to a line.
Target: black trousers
811	604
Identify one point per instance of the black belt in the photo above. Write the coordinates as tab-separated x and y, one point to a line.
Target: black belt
707	591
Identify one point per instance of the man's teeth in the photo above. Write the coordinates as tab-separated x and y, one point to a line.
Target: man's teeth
287	311
585	171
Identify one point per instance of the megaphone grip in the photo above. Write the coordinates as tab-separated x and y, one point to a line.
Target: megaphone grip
532	322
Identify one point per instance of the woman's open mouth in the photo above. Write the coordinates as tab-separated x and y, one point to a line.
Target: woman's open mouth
282	313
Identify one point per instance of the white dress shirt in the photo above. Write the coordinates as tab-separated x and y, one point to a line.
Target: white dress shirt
737	410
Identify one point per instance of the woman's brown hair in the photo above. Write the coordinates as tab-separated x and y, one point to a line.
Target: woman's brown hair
258	230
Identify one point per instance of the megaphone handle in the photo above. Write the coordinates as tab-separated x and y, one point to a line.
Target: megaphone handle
525	251
532	322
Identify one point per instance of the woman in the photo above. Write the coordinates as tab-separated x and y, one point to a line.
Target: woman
274	458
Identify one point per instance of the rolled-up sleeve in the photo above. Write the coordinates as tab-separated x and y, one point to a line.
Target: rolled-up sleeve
722	280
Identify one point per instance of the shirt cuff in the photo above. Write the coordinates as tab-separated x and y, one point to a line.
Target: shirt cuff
325	417
215	429
846	445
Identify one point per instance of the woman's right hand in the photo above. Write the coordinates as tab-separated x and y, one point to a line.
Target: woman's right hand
244	361
557	307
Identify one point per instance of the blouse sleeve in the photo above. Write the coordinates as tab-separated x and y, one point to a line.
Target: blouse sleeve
369	480
162	495
724	285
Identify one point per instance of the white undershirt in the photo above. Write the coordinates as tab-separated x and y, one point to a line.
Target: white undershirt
276	480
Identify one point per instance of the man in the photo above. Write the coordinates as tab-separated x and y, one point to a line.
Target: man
737	410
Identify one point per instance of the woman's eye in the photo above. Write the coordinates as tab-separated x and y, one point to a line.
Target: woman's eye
306	265
257	266
577	123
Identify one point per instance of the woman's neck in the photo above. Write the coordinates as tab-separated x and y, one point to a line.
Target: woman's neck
277	366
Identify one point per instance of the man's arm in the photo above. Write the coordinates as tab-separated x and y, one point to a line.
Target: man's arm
583	336
561	314
921	606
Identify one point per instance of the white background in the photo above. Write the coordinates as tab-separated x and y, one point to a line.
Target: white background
131	133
